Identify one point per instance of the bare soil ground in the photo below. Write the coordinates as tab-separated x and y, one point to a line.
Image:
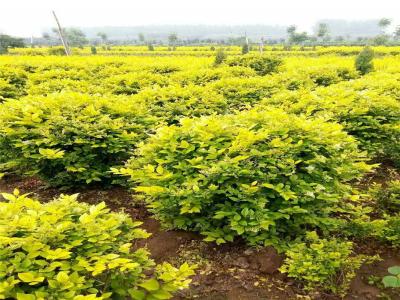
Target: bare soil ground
232	271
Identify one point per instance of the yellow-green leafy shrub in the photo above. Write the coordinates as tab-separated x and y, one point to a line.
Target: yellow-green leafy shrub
327	76
387	84
56	51
70	138
131	84
62	85
59	73
372	118
262	64
387	199
292	80
259	175
244	92
7	90
12	82
206	76
386	229
14	76
324	77
391	229
57	80
381	217
346	73
64	249
323	263
164	69
174	102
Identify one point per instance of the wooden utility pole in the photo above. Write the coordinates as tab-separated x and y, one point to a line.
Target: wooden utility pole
62	37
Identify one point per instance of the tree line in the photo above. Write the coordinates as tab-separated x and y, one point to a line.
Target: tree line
322	36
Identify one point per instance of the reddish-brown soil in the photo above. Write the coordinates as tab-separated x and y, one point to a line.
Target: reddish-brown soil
226	272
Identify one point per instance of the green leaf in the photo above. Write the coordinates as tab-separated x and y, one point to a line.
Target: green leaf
161	294
160	169
136	294
150	285
239	158
51	153
30	277
391	281
8	197
209	239
394	270
220	241
184	144
25	296
62	277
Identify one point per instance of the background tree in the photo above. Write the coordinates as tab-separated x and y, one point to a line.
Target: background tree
56	34
381	40
384	23
291	29
103	37
295	37
397	33
7	42
322	31
172	39
141	38
47	37
300	38
339	39
93	50
76	37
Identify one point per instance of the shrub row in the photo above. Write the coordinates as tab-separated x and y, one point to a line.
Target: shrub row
263	65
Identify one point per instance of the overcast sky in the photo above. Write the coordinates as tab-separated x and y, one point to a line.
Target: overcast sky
30	17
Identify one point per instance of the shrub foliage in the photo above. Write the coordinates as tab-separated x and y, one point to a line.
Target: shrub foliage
372	118
69	138
364	62
263	65
70	250
323	263
259	175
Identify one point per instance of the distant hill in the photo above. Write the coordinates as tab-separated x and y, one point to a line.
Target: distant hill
202	32
343	28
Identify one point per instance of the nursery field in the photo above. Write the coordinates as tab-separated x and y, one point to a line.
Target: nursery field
176	175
